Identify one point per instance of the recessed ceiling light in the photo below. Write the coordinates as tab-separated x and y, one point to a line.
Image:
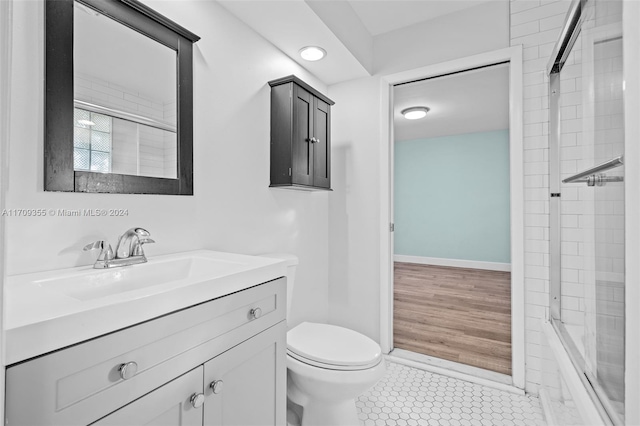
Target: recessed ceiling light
414	113
313	53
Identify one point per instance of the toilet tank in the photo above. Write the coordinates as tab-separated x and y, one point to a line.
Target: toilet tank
291	261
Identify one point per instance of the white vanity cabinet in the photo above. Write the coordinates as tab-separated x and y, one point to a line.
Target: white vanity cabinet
237	341
167	405
241	384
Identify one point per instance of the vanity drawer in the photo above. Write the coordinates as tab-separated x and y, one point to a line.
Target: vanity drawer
82	383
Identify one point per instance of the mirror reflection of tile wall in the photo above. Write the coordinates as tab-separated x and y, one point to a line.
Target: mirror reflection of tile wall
136	149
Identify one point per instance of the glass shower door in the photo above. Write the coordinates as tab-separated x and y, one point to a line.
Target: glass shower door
588	308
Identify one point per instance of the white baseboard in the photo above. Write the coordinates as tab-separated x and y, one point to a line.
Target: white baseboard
456	263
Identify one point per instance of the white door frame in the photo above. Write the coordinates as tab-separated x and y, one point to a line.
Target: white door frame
514	56
6	35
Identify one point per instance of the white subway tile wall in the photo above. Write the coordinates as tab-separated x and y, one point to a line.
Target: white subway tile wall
592	232
536	24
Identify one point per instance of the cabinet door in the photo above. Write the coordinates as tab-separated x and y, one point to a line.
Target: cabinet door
168	405
302	148
322	146
251	382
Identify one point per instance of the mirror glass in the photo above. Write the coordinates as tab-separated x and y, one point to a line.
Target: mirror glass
125	99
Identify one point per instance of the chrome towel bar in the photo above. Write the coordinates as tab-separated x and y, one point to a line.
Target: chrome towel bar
614	162
598	180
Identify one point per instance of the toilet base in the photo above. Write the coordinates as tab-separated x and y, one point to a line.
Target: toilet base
294	413
328	397
323	414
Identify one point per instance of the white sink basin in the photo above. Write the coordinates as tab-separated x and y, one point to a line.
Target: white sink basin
45	311
97	283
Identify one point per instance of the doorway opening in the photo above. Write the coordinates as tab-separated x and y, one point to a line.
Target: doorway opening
452	280
508	269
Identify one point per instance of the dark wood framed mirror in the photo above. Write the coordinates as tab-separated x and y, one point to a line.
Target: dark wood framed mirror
93	120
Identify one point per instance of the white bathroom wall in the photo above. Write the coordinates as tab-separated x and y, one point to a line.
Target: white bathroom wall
232	209
354	213
470	31
354	278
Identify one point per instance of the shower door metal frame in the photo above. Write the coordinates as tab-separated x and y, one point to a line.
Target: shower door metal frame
555	299
559	55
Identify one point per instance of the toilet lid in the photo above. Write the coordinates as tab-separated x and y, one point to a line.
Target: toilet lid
332	346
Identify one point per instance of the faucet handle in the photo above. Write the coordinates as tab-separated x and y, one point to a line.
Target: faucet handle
106	252
137	248
94	245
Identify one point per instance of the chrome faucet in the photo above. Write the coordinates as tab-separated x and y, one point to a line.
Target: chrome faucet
128	250
130	243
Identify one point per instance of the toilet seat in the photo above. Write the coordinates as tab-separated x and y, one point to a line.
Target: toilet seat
332	347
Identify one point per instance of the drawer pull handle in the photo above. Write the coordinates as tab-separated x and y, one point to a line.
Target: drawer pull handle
197	399
255	313
216	386
128	370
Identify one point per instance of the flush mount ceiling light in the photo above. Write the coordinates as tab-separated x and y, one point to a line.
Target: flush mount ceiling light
414	113
313	53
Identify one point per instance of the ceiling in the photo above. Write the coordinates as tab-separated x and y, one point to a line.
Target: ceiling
346	29
473	101
380	17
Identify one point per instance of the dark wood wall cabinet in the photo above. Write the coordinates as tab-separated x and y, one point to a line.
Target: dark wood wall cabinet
300	136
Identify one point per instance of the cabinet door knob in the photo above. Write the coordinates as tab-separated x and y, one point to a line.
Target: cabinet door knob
216	386
313	140
197	399
255	313
128	370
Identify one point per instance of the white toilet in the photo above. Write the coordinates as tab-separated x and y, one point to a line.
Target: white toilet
327	366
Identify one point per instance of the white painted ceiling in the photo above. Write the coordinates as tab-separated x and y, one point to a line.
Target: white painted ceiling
344	28
473	101
380	17
291	25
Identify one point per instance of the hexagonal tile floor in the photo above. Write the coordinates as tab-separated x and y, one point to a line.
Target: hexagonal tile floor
413	397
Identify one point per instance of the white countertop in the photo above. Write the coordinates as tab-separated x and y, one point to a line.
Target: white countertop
39	319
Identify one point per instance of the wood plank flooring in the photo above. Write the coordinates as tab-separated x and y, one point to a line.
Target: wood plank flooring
457	314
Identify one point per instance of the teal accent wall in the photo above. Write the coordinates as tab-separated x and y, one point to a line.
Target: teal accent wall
451	197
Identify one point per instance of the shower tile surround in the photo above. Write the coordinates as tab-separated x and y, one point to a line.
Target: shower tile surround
536	25
410	396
